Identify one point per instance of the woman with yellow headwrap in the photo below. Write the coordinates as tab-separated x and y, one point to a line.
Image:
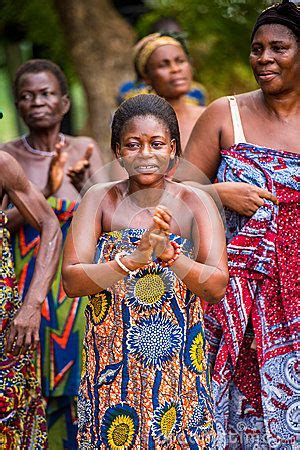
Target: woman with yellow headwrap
162	62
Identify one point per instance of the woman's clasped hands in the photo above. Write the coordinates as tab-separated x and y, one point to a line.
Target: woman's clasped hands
155	242
159	237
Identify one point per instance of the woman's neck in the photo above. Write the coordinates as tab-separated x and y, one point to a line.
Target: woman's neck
282	105
146	196
44	140
179	104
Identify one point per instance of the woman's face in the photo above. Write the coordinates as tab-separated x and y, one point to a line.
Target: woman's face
169	71
40	101
146	149
275	59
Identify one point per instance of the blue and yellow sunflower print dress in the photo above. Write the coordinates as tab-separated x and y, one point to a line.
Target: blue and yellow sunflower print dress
145	382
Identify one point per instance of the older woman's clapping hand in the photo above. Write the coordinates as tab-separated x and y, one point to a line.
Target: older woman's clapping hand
56	170
78	174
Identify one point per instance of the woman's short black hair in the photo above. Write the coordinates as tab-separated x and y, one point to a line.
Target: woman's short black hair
37	66
145	105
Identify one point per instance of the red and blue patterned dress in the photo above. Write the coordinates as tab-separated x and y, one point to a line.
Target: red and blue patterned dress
145	382
22	416
255	331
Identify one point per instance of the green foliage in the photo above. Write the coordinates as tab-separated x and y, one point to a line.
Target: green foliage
30	28
37	22
219	38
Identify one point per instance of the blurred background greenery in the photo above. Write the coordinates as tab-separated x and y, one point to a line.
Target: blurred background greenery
218	32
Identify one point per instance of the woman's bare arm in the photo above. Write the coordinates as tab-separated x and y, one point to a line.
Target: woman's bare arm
212	132
203	147
55	178
207	276
81	276
35	210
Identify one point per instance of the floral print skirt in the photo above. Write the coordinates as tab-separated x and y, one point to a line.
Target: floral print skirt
145	381
22	416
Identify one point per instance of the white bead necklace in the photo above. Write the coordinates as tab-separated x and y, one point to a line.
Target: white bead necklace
35	151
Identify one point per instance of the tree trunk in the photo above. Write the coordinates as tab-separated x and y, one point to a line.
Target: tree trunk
100	43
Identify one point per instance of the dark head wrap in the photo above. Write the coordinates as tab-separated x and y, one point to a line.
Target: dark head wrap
285	13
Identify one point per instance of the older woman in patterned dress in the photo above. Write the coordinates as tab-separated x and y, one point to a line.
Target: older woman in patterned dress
251	143
59	165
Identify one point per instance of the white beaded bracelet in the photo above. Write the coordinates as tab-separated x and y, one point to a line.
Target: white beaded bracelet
120	264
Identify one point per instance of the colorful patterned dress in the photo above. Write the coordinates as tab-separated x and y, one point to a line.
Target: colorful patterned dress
22	416
145	383
61	333
257	381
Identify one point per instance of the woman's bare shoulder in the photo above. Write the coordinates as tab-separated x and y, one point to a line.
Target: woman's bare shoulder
14	148
214	114
104	191
12	175
79	144
6	162
217	115
190	194
221	104
247	98
80	140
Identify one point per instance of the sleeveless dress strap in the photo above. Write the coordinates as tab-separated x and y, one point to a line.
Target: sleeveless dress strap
236	121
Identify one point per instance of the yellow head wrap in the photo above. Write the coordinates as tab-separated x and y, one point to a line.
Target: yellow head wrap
146	46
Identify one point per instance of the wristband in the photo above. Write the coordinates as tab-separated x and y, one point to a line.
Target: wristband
120	264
